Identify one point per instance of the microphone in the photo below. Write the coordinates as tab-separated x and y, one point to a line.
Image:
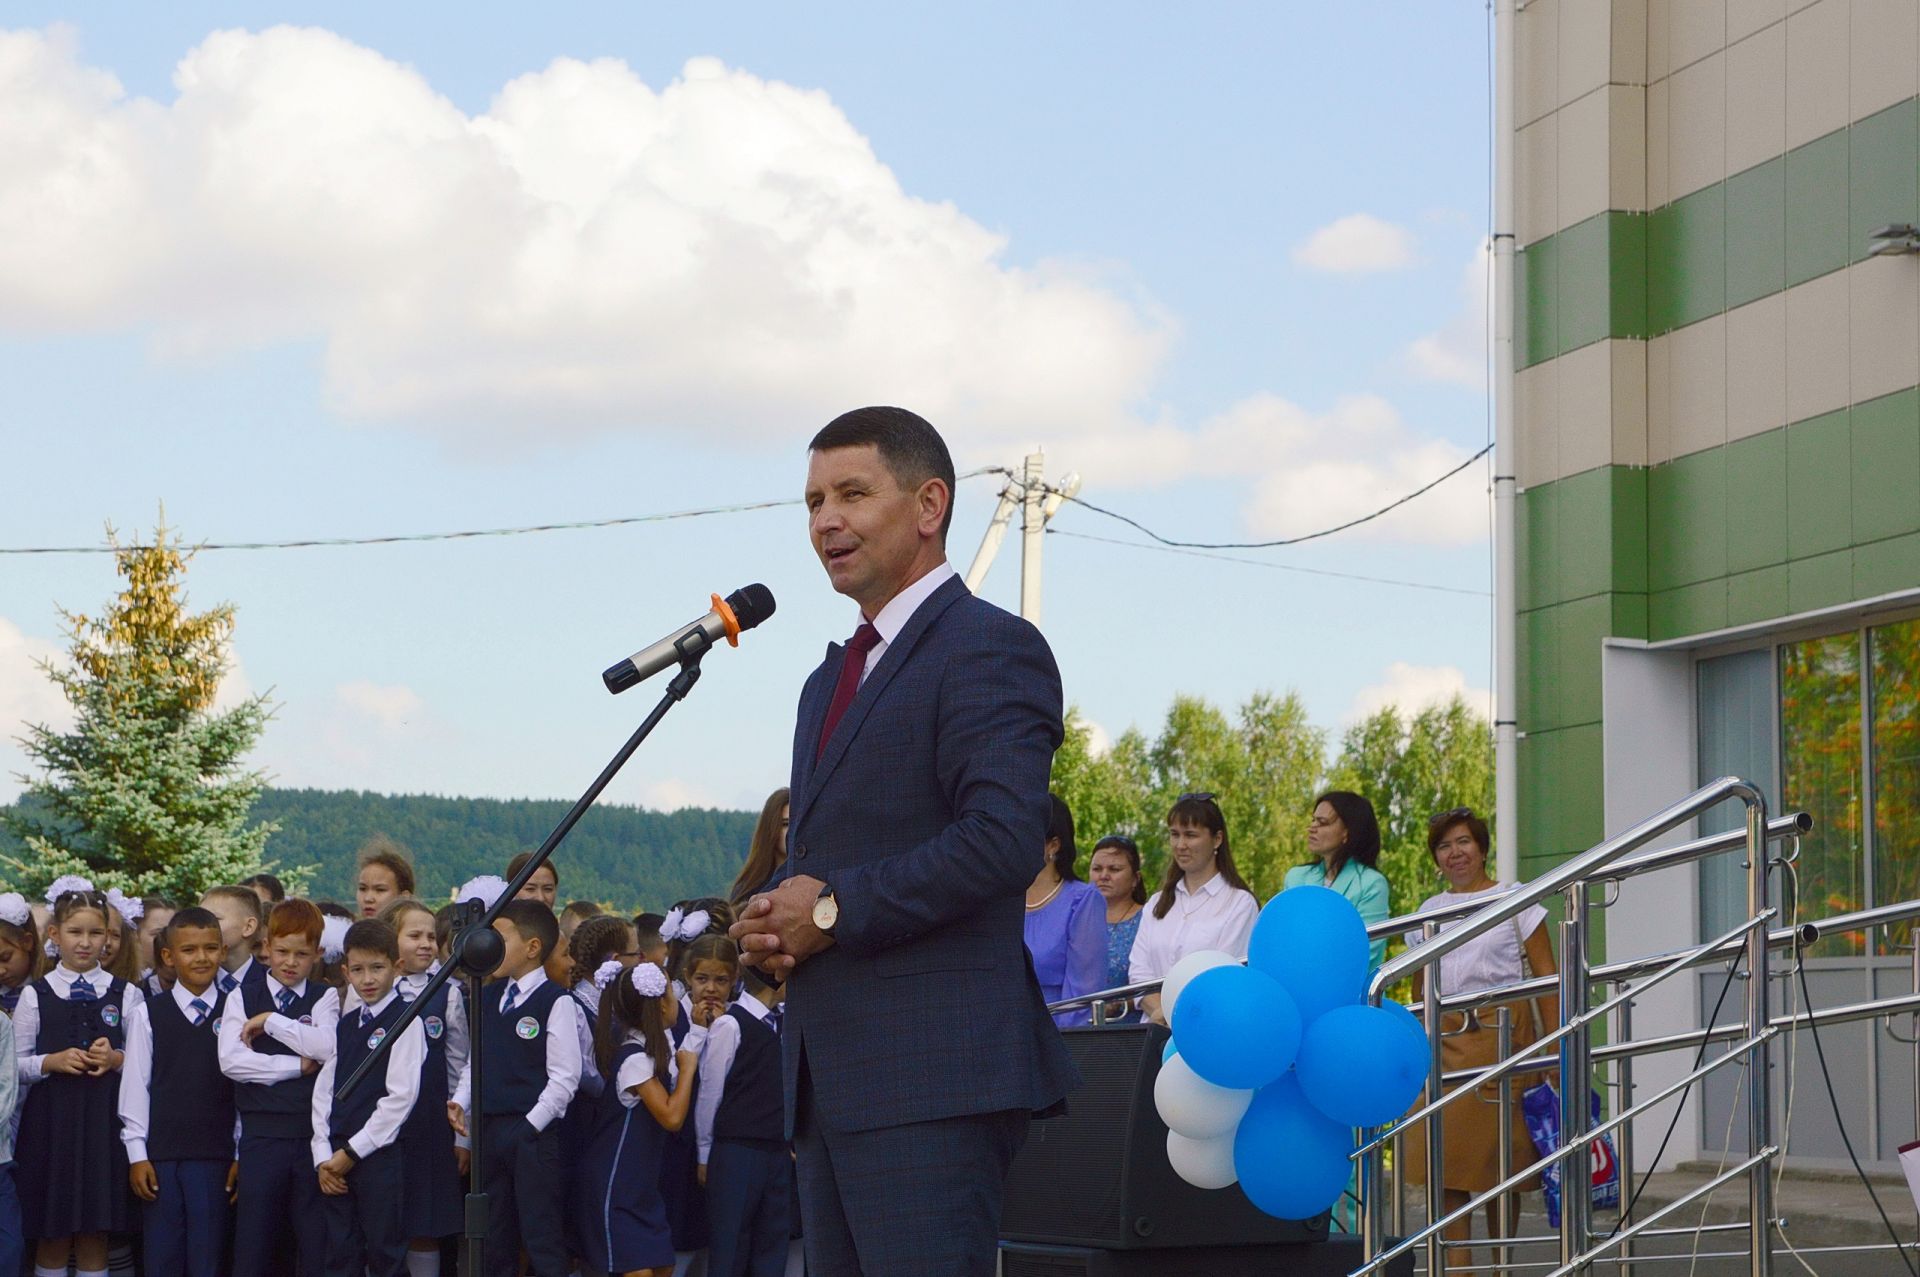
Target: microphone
745	608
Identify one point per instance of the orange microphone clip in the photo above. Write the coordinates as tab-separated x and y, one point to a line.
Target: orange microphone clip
728	619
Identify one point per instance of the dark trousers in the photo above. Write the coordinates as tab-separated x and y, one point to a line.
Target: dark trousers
183	1230
13	1244
919	1200
524	1199
750	1207
279	1195
366	1228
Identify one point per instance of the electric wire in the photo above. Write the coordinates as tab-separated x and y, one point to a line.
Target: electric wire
1263	563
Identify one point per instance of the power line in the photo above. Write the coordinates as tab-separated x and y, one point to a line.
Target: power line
1263	563
407	538
1269	545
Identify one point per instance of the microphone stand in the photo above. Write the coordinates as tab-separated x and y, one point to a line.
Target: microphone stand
478	950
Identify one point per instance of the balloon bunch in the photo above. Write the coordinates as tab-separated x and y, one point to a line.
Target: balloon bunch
1273	1064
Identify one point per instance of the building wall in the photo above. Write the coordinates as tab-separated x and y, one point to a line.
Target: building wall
1716	407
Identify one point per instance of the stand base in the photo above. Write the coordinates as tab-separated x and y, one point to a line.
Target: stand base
1335	1257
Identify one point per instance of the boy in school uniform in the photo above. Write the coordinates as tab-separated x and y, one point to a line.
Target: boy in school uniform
176	1107
533	1069
740	1119
13	1242
277	1032
355	1153
242	919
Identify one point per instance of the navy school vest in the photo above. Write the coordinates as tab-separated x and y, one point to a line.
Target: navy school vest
429	1116
66	1024
353	1043
516	1047
753	1106
190	1110
282	1110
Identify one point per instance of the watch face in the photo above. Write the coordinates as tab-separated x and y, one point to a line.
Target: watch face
826	912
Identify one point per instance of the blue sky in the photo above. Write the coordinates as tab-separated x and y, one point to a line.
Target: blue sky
420	268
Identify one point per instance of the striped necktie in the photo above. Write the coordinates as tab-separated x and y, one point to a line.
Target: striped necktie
366	1017
199	1009
774	1018
285	1001
81	991
507	998
227	983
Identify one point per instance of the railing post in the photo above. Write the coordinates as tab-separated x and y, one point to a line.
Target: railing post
1503	1019
1623	1138
1760	1074
1576	1175
1436	1160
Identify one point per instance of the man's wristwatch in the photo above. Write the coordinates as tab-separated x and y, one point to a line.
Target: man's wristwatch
826	910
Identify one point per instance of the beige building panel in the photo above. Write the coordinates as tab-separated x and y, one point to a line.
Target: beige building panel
1883	306
1697	386
1586	29
1536	408
1627	147
1586	408
1536	193
1537	49
1818	366
1629	372
1818	44
1629	42
1744	17
1756	112
1757	367
1659	116
1696	29
1660	400
1885	55
1697	126
1585	161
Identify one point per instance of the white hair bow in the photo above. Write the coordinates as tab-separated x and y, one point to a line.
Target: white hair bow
131	907
649	981
333	938
670	925
14	909
693	926
65	883
606	973
487	889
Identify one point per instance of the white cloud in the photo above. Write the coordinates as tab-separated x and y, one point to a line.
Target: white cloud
26	697
1356	244
392	707
1416	687
1457	353
672	794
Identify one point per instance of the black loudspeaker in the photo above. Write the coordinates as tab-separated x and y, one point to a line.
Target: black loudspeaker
1099	1176
1335	1257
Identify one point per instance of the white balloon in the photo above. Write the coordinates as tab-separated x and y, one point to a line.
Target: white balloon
1195	1107
1202	1163
1184	970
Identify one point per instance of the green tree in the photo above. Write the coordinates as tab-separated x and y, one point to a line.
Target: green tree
1410	768
148	792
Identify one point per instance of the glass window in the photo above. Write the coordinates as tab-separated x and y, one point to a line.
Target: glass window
1821	771
1896	767
1736	739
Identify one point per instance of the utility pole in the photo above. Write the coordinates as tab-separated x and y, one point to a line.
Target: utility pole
996	533
1033	527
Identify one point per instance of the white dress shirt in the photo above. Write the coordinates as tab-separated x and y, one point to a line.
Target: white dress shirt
716	1061
899	610
563	1057
640	1068
404	1059
308	1041
26	1015
229	981
1215	917
136	1075
591	1083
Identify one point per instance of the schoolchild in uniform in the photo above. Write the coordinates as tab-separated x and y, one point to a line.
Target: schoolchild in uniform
273	1040
155	913
435	1190
69	1041
13	1241
741	1124
19	954
618	1209
598	939
357	1150
648	940
684	924
243	922
176	1107
532	1071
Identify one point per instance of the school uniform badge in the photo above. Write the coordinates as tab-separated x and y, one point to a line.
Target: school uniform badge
528	1028
110	1015
375	1038
435	1027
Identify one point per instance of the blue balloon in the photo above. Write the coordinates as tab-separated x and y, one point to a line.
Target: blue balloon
1292	1160
1407	1019
1311	940
1236	1027
1360	1066
1169	1052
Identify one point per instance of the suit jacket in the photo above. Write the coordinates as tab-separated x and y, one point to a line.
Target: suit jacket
927	814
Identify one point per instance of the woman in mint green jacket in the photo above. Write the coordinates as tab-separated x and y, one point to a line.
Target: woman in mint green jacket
1344	837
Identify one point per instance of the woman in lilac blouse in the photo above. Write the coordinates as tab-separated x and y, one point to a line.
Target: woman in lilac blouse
1066	923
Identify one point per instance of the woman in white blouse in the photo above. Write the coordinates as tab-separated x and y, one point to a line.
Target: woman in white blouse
1470	1128
1203	903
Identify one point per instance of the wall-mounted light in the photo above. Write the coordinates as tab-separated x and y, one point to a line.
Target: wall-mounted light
1894	240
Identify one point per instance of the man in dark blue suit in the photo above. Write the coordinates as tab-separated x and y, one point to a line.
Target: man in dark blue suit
917	1046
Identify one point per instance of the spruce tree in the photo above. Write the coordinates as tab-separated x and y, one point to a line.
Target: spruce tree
149	790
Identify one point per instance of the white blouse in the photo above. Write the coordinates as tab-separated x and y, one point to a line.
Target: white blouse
1216	917
1487	961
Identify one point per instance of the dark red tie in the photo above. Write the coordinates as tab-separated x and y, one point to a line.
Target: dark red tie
852	665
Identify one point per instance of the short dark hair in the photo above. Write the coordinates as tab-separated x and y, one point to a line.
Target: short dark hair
193	917
1444	823
531	917
276	890
1060	825
1363	828
646	930
370	935
519	862
912	449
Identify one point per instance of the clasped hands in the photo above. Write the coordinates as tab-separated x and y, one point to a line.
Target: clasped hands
776	932
89	1061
